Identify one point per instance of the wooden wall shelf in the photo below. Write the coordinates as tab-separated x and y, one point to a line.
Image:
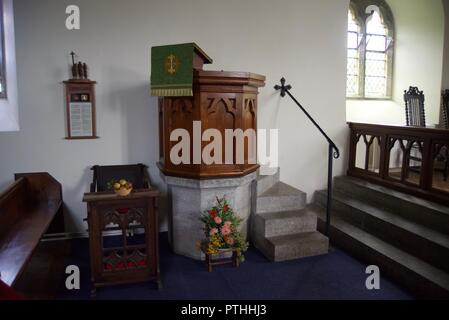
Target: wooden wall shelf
80	103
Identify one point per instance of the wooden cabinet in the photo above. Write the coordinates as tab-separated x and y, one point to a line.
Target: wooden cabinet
123	237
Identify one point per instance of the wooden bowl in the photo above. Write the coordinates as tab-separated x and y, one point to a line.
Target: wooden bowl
123	192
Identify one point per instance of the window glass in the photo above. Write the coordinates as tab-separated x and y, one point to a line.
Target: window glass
369	54
352	85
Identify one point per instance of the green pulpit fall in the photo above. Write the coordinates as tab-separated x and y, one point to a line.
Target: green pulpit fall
172	69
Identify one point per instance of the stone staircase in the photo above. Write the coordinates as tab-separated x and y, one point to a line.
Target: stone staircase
407	237
282	227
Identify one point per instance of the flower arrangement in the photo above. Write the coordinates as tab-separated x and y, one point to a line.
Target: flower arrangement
221	229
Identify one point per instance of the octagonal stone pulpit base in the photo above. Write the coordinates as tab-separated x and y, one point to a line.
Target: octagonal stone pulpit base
190	198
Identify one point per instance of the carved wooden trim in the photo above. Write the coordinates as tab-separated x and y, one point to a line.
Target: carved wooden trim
429	142
221	100
230	105
445	108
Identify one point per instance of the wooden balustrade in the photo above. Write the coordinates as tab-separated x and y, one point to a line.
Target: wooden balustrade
414	160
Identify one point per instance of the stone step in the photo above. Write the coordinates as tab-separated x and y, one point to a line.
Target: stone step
414	274
280	197
265	182
294	246
423	242
430	214
273	224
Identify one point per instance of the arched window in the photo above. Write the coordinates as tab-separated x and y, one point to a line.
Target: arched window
370	50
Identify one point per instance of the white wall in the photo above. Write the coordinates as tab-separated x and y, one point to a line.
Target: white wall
9	111
375	111
302	40
418	62
445	82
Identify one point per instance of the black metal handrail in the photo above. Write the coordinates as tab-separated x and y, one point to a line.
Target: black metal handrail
334	152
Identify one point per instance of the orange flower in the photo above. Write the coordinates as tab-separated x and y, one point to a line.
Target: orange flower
229	240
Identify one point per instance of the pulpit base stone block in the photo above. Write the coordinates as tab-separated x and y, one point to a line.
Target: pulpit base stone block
190	198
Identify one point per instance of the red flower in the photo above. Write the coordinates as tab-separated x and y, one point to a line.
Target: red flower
108	266
226	208
213	213
142	263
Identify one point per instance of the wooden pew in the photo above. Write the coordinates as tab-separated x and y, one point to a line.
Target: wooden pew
27	209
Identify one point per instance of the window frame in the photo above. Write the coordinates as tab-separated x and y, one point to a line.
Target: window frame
358	9
3	76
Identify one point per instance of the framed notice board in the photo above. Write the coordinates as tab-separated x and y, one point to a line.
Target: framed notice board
80	109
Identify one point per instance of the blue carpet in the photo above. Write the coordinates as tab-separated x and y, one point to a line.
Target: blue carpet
333	276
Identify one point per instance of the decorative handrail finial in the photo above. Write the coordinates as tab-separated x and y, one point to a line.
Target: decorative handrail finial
283	87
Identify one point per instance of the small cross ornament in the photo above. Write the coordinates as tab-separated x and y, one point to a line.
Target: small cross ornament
284	88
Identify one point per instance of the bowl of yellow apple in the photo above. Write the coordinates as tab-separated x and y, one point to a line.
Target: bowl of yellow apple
123	187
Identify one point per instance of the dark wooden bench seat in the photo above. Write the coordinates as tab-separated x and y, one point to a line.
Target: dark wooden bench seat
27	210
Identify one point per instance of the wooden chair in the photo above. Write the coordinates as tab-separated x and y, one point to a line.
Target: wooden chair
103	175
414	107
445	108
443	155
415	117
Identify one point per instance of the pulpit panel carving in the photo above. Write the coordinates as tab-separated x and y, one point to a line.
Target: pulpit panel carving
220	115
221	100
249	120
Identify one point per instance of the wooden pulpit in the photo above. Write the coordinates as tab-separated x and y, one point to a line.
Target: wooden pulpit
220	100
196	109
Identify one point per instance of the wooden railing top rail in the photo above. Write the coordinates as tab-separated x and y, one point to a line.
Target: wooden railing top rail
414	160
5	195
12	199
393	129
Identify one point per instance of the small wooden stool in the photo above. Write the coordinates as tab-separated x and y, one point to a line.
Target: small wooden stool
235	259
